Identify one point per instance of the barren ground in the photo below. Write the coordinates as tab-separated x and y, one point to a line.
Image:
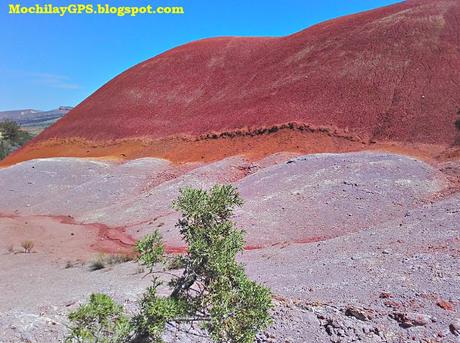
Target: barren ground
356	247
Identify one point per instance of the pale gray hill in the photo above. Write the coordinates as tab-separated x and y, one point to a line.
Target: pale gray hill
35	118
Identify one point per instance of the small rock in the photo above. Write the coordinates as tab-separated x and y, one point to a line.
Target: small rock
445	305
392	304
454	327
443	333
358	313
69	303
385	295
410	319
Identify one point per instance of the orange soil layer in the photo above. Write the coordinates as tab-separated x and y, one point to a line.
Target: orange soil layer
181	150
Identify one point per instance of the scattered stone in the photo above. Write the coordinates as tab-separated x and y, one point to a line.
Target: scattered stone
445	305
443	333
407	320
454	327
392	304
358	313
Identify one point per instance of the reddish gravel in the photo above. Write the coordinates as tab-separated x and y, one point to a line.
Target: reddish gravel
391	73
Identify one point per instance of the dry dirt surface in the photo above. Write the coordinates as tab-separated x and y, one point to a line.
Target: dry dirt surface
361	246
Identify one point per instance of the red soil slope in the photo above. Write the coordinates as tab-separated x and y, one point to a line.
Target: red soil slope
387	74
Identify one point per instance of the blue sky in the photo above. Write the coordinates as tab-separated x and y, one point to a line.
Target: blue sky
48	61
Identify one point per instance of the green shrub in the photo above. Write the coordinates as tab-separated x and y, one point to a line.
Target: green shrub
155	313
213	290
101	320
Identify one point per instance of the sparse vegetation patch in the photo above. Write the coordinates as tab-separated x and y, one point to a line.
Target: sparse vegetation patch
27	246
102	260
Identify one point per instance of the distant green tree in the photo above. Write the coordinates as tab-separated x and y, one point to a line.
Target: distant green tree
11	137
5	148
10	130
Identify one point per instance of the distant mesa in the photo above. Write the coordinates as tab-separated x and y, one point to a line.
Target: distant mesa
30	118
390	74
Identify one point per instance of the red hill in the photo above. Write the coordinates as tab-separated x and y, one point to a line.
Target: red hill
387	74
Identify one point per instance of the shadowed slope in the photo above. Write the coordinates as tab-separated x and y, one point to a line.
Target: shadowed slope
387	74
